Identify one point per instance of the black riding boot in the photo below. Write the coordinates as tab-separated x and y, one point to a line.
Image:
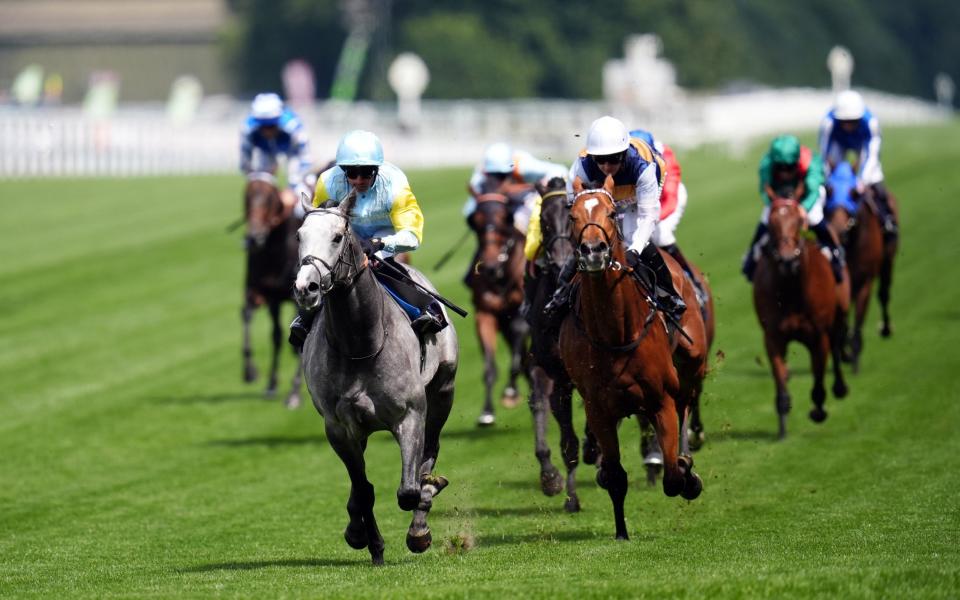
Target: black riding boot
890	228
674	251
749	262
836	252
556	308
667	296
300	327
431	319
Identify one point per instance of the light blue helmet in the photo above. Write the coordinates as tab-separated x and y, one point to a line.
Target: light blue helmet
358	148
498	159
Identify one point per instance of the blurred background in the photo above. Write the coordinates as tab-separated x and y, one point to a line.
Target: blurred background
131	87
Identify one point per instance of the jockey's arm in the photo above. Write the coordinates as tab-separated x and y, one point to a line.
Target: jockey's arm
531	245
407	220
246	153
869	155
648	189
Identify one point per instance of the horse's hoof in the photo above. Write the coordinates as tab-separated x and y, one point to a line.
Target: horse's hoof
377	559
355	539
695	439
293	401
886	331
408	499
572	504
486	419
840	389
510	398
685	462
818	415
692	486
590	453
270	393
673	487
622	537
420	542
437	482
250	374
551	482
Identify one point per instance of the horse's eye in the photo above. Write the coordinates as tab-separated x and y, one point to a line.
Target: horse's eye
338	238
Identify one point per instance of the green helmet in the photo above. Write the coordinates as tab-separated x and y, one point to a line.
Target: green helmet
785	150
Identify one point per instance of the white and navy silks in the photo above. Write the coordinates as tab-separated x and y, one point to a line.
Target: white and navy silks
258	153
835	142
526	169
637	187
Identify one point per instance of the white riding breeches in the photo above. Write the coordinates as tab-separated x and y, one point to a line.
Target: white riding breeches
665	232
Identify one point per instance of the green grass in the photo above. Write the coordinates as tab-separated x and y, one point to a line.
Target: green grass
134	462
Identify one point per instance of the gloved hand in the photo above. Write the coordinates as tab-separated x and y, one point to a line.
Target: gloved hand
371	246
861	187
633	258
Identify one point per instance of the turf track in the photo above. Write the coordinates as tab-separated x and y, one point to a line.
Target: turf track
134	462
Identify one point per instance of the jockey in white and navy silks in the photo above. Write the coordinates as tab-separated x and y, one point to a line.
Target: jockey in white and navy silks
270	130
851	127
638	173
506	169
385	218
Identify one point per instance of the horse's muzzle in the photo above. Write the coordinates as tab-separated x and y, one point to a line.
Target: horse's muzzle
308	288
593	257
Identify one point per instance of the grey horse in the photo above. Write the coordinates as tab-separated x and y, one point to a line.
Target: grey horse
365	372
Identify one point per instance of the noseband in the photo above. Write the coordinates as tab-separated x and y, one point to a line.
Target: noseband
609	263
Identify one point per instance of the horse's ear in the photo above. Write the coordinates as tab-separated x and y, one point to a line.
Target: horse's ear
347	205
577	185
306	202
608	184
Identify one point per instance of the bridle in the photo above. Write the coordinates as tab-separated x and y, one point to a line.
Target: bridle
781	205
608	261
508	244
550	241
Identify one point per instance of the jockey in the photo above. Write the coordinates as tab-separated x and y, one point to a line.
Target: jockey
790	170
673	202
849	126
386	219
512	172
638	173
272	129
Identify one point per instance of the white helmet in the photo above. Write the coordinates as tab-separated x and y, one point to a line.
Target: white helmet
849	106
498	158
266	107
607	136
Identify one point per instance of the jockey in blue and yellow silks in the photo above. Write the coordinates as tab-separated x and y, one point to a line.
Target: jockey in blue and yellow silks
639	174
385	216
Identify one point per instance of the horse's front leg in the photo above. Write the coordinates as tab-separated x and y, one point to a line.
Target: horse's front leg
776	348
487	334
362	531
561	404
440	401
246	314
277	339
883	291
551	483
819	349
293	400
610	475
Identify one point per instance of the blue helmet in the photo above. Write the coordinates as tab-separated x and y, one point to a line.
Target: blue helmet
358	148
644	135
266	109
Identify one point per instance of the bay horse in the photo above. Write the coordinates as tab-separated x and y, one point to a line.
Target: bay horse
367	371
549	383
869	257
797	299
619	354
271	248
496	286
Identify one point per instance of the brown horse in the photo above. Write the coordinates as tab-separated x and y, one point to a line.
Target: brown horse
620	354
869	257
272	262
797	299
496	283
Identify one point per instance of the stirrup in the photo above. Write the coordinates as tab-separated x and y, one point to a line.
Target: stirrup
428	323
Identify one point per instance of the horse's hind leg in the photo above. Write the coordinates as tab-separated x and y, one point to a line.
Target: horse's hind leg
883	293
837	336
561	405
861	303
551	483
362	531
516	332
678	475
277	339
487	334
249	369
819	349
439	403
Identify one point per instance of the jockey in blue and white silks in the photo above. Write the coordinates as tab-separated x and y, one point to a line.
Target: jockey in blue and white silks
385	218
851	127
504	167
638	173
270	130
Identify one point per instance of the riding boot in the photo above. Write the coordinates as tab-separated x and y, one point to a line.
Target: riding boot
431	319
556	308
836	252
674	251
300	327
667	296
890	228
749	259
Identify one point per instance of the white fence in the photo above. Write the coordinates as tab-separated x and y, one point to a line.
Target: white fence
142	141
